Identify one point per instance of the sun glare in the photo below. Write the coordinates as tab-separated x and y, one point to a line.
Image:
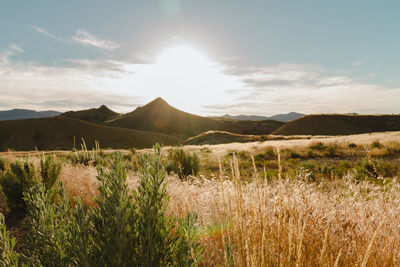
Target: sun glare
186	78
182	57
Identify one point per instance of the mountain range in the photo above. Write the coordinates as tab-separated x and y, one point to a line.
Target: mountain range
158	122
18	114
279	117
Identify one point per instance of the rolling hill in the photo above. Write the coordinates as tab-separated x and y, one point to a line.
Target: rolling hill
159	116
18	114
96	115
340	125
59	132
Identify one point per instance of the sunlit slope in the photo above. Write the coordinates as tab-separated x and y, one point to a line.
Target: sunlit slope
96	115
340	125
58	133
159	116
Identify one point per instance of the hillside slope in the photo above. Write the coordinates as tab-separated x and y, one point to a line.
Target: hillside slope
96	115
159	116
18	114
340	125
58	133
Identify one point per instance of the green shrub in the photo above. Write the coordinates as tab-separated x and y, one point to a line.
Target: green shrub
376	144
189	242
2	165
331	151
269	154
352	145
317	146
8	257
114	232
49	241
182	163
290	154
16	181
124	229
50	170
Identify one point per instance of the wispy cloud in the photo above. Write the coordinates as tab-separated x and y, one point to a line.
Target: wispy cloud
10	51
85	38
45	32
307	89
233	89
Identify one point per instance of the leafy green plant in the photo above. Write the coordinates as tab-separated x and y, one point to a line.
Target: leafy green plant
50	170
2	165
16	181
182	163
49	241
8	256
114	232
156	243
189	242
124	229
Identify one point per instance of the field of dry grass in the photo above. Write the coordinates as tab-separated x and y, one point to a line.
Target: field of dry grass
286	221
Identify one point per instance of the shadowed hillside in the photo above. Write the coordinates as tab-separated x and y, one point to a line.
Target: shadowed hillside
340	125
18	114
96	115
159	116
58	133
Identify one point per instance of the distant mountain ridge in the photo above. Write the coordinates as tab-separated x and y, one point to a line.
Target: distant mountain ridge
279	117
19	114
96	115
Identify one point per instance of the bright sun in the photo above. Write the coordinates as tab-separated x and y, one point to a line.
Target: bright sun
185	78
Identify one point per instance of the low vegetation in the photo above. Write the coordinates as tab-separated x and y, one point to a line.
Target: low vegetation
323	204
125	228
182	163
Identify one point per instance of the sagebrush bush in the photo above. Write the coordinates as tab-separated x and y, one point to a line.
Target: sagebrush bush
50	170
16	181
8	256
182	163
124	229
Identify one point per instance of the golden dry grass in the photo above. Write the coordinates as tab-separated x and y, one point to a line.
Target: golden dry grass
286	222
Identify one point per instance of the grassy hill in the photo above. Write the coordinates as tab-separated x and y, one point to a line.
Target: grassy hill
159	116
58	133
340	125
96	115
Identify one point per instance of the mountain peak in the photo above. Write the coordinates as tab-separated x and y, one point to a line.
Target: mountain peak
159	100
104	107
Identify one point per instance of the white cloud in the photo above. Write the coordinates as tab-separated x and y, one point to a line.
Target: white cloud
206	89
307	89
88	39
45	32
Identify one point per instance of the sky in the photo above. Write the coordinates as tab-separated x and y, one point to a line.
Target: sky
258	57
